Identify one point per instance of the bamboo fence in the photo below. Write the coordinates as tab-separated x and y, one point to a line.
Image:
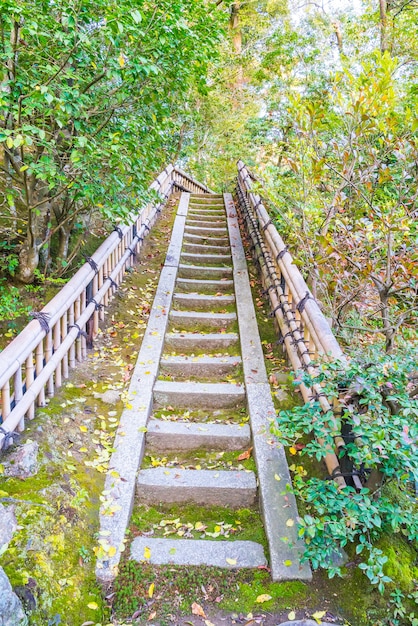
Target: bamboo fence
37	361
305	332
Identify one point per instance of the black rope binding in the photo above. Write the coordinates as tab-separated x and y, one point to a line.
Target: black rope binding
8	436
97	305
92	263
282	253
81	333
112	282
281	340
266	225
277	308
132	253
147	227
43	319
119	231
301	305
265	292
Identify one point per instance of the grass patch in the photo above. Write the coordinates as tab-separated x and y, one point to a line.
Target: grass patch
195	522
200	459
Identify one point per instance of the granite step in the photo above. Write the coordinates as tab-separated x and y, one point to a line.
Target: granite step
202	302
230	488
206	248
197	320
196	285
199	366
210	231
206	215
206	259
197	552
210	396
169	436
200	223
203	272
218	241
185	343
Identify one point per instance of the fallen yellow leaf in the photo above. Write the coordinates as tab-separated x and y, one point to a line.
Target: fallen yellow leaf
151	590
290	522
197	610
147	553
263	598
231	561
318	615
93	605
291	615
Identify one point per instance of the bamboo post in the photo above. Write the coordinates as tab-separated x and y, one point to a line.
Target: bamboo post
18	389
29	378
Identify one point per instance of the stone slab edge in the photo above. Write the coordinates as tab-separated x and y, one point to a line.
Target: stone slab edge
129	442
278	504
225	554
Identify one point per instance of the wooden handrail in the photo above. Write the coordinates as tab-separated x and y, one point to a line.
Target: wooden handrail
35	362
305	331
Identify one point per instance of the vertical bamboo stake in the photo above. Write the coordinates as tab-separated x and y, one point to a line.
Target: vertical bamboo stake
96	311
18	387
71	321
57	340
5	401
78	347
83	339
39	358
64	323
30	377
48	355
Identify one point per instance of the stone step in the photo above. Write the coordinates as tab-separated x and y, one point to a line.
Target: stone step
196	285
202	302
206	248
215	241
200	366
229	488
200	223
206	215
172	436
203	272
198	552
197	320
184	343
214	259
198	395
210	231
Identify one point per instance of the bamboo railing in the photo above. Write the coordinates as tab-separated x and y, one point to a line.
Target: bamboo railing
35	363
305	332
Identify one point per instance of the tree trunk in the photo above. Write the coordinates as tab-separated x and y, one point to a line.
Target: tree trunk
383	5
235	28
28	262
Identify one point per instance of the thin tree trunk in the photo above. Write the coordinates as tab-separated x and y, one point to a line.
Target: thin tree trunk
235	27
383	6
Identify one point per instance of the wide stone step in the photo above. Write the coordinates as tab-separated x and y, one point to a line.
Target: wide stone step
203	272
210	231
172	436
223	554
197	320
206	215
202	302
208	396
206	248
218	241
196	285
200	223
233	489
207	342
199	366
214	259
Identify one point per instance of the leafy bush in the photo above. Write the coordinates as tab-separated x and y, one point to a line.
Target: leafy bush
11	305
379	413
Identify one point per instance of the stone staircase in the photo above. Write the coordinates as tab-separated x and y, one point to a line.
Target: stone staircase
202	331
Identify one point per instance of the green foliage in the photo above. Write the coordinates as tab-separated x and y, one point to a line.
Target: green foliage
87	102
381	417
